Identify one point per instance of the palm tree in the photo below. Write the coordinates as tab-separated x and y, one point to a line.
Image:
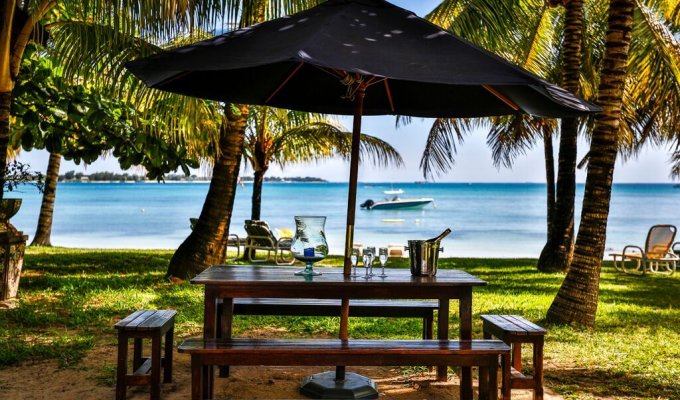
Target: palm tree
276	136
43	232
207	242
576	300
532	41
528	33
557	252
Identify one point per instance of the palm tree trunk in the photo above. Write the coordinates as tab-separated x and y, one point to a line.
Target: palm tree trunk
5	102
549	179
207	242
576	300
44	229
557	252
258	180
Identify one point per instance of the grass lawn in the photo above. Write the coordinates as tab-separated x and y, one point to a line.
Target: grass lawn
70	299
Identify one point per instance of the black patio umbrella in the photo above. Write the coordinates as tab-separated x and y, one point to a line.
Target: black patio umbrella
356	57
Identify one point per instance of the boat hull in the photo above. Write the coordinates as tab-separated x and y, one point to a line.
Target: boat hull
401	204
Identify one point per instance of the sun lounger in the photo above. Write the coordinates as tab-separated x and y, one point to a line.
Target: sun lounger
658	253
260	237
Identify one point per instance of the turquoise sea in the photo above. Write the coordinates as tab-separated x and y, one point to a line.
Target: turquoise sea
499	220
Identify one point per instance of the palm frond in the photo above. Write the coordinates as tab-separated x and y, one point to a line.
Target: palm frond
442	144
319	140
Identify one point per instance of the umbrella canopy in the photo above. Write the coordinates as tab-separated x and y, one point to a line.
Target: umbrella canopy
356	57
295	62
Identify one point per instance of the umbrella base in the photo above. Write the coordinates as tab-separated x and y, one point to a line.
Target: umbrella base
324	386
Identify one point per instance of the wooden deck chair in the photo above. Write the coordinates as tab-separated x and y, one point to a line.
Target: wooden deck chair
233	241
260	237
658	253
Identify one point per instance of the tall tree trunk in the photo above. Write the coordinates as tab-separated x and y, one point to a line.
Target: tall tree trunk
44	229
549	180
258	180
207	242
5	102
576	300
557	252
6	84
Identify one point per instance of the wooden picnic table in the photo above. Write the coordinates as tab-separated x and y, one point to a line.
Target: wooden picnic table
227	282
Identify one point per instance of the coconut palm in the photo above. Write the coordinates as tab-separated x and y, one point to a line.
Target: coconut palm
93	47
277	136
576	300
532	40
529	33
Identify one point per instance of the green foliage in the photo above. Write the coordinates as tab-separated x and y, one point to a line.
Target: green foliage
529	33
18	174
70	298
82	124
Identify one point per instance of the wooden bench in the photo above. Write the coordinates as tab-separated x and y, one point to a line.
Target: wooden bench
145	324
515	330
206	353
326	308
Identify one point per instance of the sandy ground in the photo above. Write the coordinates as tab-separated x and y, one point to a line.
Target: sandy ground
94	379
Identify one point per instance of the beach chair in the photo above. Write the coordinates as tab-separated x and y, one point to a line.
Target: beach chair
658	253
260	237
233	241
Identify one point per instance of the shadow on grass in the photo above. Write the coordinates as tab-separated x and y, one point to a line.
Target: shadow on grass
581	381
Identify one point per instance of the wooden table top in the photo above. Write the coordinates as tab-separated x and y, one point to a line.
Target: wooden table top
261	275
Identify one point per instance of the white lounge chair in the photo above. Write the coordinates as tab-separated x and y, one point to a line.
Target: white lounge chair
658	253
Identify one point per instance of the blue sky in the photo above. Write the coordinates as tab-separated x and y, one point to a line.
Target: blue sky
473	163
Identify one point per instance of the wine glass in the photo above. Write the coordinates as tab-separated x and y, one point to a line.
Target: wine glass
366	258
371	252
383	253
354	258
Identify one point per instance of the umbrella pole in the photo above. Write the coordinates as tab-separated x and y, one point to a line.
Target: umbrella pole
353	175
342	385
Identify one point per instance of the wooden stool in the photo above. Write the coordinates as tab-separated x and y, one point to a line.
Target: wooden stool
515	330
145	324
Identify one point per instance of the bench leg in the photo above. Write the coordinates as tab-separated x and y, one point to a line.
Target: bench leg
196	379
121	370
493	381
137	354
517	356
156	367
538	370
169	347
505	377
483	385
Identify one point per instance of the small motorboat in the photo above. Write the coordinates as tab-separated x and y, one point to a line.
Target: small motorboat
396	203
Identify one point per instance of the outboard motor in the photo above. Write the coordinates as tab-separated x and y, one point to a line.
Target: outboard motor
367	204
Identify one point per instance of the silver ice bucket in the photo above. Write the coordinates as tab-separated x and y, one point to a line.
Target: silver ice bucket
424	256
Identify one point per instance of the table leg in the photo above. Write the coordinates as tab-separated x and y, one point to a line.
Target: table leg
465	312
209	313
442	333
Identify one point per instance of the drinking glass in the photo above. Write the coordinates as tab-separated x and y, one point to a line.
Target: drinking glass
383	253
354	258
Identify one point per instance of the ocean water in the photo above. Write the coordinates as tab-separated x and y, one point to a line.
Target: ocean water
488	220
